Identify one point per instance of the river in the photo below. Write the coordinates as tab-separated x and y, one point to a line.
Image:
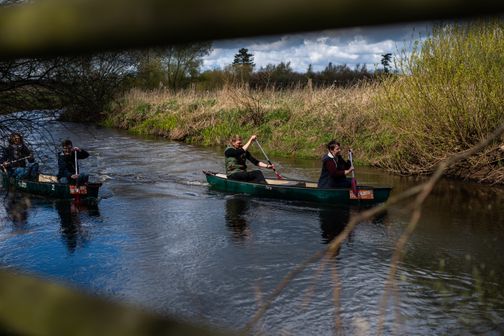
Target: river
161	239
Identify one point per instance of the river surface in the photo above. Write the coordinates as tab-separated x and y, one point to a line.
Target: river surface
161	239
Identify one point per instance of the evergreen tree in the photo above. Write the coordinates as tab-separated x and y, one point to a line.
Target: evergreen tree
243	57
309	72
243	64
385	61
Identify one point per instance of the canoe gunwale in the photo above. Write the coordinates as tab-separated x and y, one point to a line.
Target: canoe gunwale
53	190
371	194
359	187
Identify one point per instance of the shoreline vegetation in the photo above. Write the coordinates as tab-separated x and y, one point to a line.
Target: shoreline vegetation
447	95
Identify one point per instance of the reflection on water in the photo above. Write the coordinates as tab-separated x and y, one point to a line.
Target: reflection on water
72	232
333	221
236	212
17	206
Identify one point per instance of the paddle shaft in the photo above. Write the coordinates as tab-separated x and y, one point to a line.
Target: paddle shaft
21	159
77	195
351	162
267	159
9	162
76	164
353	187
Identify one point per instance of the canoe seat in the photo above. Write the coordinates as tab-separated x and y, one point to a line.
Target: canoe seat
47	178
286	183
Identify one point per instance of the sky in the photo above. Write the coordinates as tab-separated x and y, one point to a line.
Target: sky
350	46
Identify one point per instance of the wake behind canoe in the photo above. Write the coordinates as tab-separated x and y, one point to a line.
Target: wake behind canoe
298	190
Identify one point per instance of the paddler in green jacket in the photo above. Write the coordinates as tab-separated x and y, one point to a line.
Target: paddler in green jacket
236	156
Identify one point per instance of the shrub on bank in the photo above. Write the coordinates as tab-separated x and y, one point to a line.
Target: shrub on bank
450	98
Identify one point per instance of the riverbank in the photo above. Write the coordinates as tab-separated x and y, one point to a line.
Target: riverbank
298	123
446	101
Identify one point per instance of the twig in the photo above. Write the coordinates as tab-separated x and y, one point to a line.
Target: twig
421	192
417	212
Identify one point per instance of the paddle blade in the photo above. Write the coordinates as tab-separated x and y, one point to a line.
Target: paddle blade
277	174
280	177
354	187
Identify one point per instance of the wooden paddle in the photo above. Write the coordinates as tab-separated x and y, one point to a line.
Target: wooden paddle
280	177
77	190
14	161
76	164
354	181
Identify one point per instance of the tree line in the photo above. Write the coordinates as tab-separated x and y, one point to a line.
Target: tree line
84	85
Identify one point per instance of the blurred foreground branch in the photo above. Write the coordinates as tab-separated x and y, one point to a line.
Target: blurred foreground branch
30	306
57	27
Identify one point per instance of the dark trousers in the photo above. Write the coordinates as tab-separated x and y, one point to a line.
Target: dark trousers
343	183
335	183
255	176
29	172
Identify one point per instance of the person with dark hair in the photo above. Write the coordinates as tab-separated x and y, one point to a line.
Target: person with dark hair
236	155
15	157
68	165
335	168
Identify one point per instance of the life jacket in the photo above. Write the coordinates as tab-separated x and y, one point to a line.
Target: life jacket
235	164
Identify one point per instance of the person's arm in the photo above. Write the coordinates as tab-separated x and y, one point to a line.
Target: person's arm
264	165
81	153
334	171
257	162
332	168
249	142
348	167
346	163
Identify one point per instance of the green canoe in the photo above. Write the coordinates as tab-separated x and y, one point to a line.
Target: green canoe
87	193
299	190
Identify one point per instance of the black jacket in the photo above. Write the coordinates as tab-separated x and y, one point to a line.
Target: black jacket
333	171
66	163
16	152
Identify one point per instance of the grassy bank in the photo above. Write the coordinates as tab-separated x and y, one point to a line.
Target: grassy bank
290	123
450	96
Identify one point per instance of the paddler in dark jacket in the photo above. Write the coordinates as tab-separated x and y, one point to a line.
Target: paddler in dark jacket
236	155
335	168
67	170
14	159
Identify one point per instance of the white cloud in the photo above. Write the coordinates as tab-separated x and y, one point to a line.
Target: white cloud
349	46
